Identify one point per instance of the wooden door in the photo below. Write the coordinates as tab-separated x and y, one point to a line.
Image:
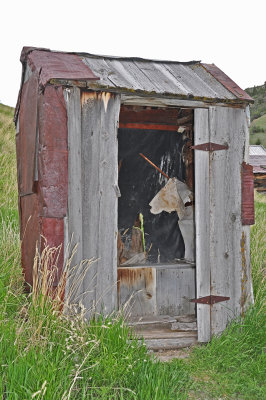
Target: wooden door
222	243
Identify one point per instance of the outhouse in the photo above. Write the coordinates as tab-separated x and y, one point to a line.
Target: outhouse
144	165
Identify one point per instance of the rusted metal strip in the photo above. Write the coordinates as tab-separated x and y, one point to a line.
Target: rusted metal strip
247	204
227	82
210	147
210	299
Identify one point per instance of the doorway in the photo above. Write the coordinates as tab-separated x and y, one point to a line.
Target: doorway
156	260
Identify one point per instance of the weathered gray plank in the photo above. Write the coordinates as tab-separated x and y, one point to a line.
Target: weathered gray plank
174	289
160	77
228	240
132	99
170	344
91	137
106	289
100	69
202	216
156	290
165	333
74	218
121	77
100	113
184	326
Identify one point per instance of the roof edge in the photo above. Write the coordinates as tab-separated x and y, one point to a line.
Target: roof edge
227	82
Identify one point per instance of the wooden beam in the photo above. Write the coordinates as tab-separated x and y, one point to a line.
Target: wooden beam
165	116
159	127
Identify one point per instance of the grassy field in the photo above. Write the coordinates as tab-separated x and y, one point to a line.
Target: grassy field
44	355
258	115
258	131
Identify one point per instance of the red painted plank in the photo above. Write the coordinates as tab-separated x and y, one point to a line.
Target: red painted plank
132	125
248	213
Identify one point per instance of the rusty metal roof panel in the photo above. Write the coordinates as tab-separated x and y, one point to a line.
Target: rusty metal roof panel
227	82
58	65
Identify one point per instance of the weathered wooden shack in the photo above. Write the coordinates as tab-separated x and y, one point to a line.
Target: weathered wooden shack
144	164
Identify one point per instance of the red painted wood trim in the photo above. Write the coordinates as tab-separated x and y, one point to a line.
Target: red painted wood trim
132	125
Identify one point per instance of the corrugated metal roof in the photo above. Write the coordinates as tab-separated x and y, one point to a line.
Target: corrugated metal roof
257	150
185	80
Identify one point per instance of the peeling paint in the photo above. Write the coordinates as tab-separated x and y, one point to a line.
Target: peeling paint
87	97
105	98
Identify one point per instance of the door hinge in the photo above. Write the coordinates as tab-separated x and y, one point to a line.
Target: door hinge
210	146
210	299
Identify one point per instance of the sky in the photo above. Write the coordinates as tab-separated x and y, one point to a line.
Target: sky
228	33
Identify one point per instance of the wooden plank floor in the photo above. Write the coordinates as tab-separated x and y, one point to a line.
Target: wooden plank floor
165	332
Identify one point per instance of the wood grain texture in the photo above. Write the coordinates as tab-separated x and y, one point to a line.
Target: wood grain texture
202	222
157	290
73	223
129	99
226	126
170	343
100	113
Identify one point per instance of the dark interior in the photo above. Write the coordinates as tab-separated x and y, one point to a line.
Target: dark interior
164	137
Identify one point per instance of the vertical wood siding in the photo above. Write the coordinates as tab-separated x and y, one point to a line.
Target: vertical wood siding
228	241
202	221
93	158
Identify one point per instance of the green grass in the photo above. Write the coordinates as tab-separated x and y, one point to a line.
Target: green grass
259	95
44	355
258	131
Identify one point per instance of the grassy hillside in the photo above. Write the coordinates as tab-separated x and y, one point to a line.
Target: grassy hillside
258	115
45	355
258	131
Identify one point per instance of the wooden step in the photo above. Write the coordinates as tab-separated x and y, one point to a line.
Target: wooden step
170	344
164	332
179	323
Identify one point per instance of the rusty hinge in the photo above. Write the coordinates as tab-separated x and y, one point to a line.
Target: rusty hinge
210	146
210	299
